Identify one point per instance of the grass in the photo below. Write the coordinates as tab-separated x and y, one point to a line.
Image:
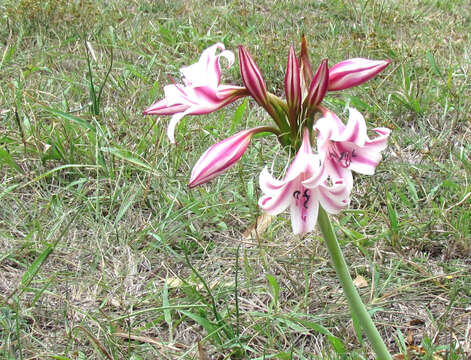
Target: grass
108	255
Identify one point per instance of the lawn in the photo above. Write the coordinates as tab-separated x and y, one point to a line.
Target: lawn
106	252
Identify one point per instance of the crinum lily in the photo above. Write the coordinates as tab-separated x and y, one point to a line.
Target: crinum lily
347	147
314	184
303	188
202	92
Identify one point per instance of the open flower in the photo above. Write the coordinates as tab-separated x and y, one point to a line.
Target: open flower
347	147
303	187
222	156
201	93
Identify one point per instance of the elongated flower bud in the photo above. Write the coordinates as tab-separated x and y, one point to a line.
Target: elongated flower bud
353	72
305	66
318	87
220	157
252	77
292	81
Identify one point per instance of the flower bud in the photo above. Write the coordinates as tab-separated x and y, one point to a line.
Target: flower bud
353	72
220	157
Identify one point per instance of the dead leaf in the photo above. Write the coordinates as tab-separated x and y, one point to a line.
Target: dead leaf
259	227
360	282
149	340
174	282
203	354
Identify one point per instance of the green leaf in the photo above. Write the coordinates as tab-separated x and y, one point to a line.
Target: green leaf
6	158
71	118
275	288
432	62
127	156
334	341
36	265
210	328
126	203
166	310
412	189
284	356
239	113
39	177
392	218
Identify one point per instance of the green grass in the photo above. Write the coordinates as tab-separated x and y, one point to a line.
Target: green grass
106	254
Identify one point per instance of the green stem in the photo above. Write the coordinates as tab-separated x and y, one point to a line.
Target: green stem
354	300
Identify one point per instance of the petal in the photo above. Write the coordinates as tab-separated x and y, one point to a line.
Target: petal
334	198
161	108
305	162
173	124
276	203
268	184
304	209
206	100
207	71
365	160
380	142
318	175
338	172
329	126
355	131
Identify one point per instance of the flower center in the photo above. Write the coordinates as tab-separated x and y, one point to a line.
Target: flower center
342	156
306	195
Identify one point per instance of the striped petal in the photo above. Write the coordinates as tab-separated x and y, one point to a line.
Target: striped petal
334	198
276	203
355	131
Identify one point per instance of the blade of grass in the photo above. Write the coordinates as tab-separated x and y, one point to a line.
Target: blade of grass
34	268
129	157
166	310
42	176
74	119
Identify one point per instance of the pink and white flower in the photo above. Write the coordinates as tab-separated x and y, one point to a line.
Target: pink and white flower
303	188
221	156
353	72
202	92
347	147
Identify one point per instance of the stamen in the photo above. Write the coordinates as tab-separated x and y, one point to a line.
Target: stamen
306	195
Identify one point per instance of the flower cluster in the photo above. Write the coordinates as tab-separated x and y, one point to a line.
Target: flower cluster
324	177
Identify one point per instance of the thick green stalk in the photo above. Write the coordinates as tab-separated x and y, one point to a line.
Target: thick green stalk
354	300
